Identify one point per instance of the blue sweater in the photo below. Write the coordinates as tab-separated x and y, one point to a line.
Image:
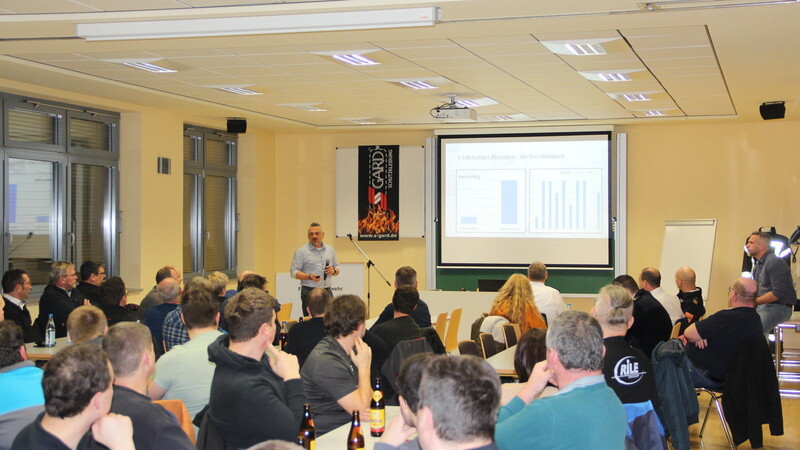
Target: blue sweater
20	386
585	417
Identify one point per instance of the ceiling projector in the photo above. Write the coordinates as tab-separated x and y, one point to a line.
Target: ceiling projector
455	114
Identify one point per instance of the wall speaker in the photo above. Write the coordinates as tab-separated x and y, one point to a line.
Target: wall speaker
237	125
164	165
772	110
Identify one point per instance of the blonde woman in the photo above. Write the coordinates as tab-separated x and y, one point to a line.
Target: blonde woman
514	301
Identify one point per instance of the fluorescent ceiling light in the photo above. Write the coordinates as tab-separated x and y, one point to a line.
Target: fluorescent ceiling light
467	103
586	49
636	97
578	47
614	76
673	5
418	84
304	106
654	113
356	60
502	118
238	90
362	121
149	67
254	25
609	75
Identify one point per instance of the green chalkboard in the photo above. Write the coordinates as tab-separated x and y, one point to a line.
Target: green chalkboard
568	281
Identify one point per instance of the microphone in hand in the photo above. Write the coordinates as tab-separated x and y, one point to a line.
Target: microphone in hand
324	272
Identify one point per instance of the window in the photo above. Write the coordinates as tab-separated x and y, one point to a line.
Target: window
209	202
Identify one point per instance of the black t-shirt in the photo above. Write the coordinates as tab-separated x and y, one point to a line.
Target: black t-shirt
692	304
629	372
304	336
34	437
651	323
723	331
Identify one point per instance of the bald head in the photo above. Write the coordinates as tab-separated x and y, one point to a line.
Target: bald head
650	278
169	290
685	279
743	293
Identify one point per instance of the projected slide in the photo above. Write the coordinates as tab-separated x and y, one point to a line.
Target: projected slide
490	200
566	200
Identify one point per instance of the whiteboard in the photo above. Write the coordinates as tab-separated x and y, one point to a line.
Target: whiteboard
349	281
412	191
688	243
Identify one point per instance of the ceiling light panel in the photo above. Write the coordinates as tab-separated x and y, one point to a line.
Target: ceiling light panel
418	84
149	67
636	97
356	60
304	106
238	90
579	47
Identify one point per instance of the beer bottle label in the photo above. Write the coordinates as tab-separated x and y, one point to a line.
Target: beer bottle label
377	419
377	395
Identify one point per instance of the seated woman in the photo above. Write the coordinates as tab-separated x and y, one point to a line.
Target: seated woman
530	350
514	301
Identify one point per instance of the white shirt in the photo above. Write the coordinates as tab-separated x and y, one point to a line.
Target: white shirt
670	302
548	300
14	300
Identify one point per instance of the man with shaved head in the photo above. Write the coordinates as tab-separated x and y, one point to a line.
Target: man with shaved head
690	295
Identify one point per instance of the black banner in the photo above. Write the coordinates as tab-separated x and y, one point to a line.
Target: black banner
378	192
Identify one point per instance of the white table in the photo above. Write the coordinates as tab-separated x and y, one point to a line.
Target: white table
337	439
45	353
503	362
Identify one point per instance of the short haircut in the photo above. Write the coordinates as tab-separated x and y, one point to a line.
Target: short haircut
168	289
218	281
125	343
530	350
247	311
614	306
253	280
199	308
12	278
59	269
10	341
72	377
651	275
89	268
409	377
164	273
744	294
537	271
112	291
405	276
85	323
344	316
275	444
405	299
463	394
578	340
763	235
627	282
319	300
200	283
314	224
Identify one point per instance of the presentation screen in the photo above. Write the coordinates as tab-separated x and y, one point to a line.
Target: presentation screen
508	200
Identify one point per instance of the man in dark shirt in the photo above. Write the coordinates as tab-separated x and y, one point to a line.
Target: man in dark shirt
304	336
776	294
16	289
113	298
690	295
93	273
130	348
407	276
169	291
59	297
402	327
651	323
712	342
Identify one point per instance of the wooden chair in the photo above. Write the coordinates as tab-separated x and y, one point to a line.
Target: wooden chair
285	313
290	323
469	347
488	346
676	330
512	333
451	337
441	325
178	408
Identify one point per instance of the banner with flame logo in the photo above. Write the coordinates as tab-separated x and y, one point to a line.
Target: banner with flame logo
378	192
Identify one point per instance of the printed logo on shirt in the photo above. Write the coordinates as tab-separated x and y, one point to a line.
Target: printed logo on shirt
626	371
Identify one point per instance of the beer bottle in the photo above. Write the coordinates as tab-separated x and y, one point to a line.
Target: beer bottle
355	439
307	435
283	337
377	410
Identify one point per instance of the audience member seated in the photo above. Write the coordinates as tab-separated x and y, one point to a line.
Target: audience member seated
514	301
407	276
253	398
219	281
174	330
546	298
458	397
113	298
129	346
690	295
152	298
92	275
169	291
77	398
20	385
574	362
530	350
250	280
336	374
712	341
16	289
402	327
650	280
408	380
87	323
305	335
184	372
231	292
651	323
59	297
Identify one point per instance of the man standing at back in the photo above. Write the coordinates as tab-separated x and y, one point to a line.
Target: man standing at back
59	297
130	349
407	276
776	294
547	299
16	289
650	280
314	264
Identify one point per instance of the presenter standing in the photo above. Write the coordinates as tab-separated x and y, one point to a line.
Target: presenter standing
314	264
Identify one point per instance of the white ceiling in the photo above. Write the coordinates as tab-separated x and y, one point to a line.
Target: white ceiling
717	63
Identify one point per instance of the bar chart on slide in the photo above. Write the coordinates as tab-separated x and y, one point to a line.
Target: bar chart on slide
565	200
490	201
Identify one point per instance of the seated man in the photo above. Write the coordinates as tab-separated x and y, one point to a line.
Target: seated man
713	340
253	398
402	327
152	298
92	275
336	374
20	384
87	324
169	291
173	330
113	298
130	348
184	372
16	289
574	363
77	397
304	336
546	298
650	280
407	276
651	323
690	295
457	399
59	297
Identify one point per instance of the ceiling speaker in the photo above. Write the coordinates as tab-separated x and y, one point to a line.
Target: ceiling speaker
237	125
772	110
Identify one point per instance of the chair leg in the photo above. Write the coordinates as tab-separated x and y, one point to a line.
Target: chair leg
705	418
724	422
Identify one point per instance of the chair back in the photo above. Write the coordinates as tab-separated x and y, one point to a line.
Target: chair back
290	323
441	325
488	345
676	330
401	351
285	313
469	347
451	337
178	409
511	332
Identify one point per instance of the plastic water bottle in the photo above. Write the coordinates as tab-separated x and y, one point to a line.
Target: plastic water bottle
50	333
